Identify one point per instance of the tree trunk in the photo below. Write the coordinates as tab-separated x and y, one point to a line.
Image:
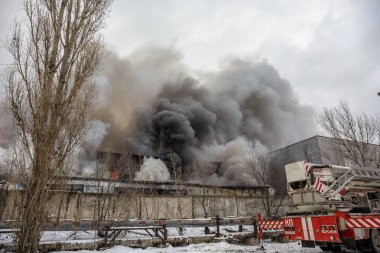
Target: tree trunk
33	218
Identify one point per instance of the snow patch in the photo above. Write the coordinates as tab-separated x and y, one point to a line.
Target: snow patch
220	247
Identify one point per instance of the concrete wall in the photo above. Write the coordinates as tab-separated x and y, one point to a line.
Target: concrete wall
77	205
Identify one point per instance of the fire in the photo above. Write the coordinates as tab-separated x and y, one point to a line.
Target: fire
114	175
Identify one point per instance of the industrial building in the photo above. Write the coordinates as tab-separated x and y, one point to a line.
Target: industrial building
127	198
317	149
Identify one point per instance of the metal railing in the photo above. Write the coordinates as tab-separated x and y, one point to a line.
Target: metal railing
109	230
88	225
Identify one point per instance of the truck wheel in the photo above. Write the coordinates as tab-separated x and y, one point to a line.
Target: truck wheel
336	248
331	247
326	248
375	240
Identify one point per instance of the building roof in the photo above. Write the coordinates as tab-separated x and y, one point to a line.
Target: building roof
157	183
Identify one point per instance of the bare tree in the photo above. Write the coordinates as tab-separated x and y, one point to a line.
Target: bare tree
49	91
109	173
356	136
5	178
258	168
179	175
4	192
203	170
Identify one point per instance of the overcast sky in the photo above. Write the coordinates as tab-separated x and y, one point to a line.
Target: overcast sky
328	50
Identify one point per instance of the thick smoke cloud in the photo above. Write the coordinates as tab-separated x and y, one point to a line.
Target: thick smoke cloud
233	154
151	104
130	83
244	100
157	107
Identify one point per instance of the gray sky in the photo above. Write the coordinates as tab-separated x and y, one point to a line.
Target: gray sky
328	50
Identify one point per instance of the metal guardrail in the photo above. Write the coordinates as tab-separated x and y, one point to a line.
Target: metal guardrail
110	229
87	225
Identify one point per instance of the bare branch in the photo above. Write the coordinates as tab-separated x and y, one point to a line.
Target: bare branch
357	135
258	168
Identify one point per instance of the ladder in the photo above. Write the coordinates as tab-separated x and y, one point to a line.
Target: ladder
366	174
357	174
338	185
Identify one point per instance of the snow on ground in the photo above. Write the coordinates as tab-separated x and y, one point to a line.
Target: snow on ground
80	236
221	247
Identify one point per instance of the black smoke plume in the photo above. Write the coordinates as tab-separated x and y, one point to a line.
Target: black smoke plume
173	114
150	103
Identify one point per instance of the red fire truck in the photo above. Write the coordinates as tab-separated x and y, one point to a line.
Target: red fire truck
336	207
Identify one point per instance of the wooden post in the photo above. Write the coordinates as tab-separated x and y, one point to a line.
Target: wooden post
255	229
165	233
237	206
140	207
217	226
260	232
240	228
106	236
192	206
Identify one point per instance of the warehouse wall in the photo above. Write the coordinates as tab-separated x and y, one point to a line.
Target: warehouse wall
75	205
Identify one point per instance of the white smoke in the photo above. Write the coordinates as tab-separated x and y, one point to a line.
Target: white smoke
87	152
232	154
97	131
152	170
232	151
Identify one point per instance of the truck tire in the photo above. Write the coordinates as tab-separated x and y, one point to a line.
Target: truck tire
325	248
331	247
375	240
336	248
